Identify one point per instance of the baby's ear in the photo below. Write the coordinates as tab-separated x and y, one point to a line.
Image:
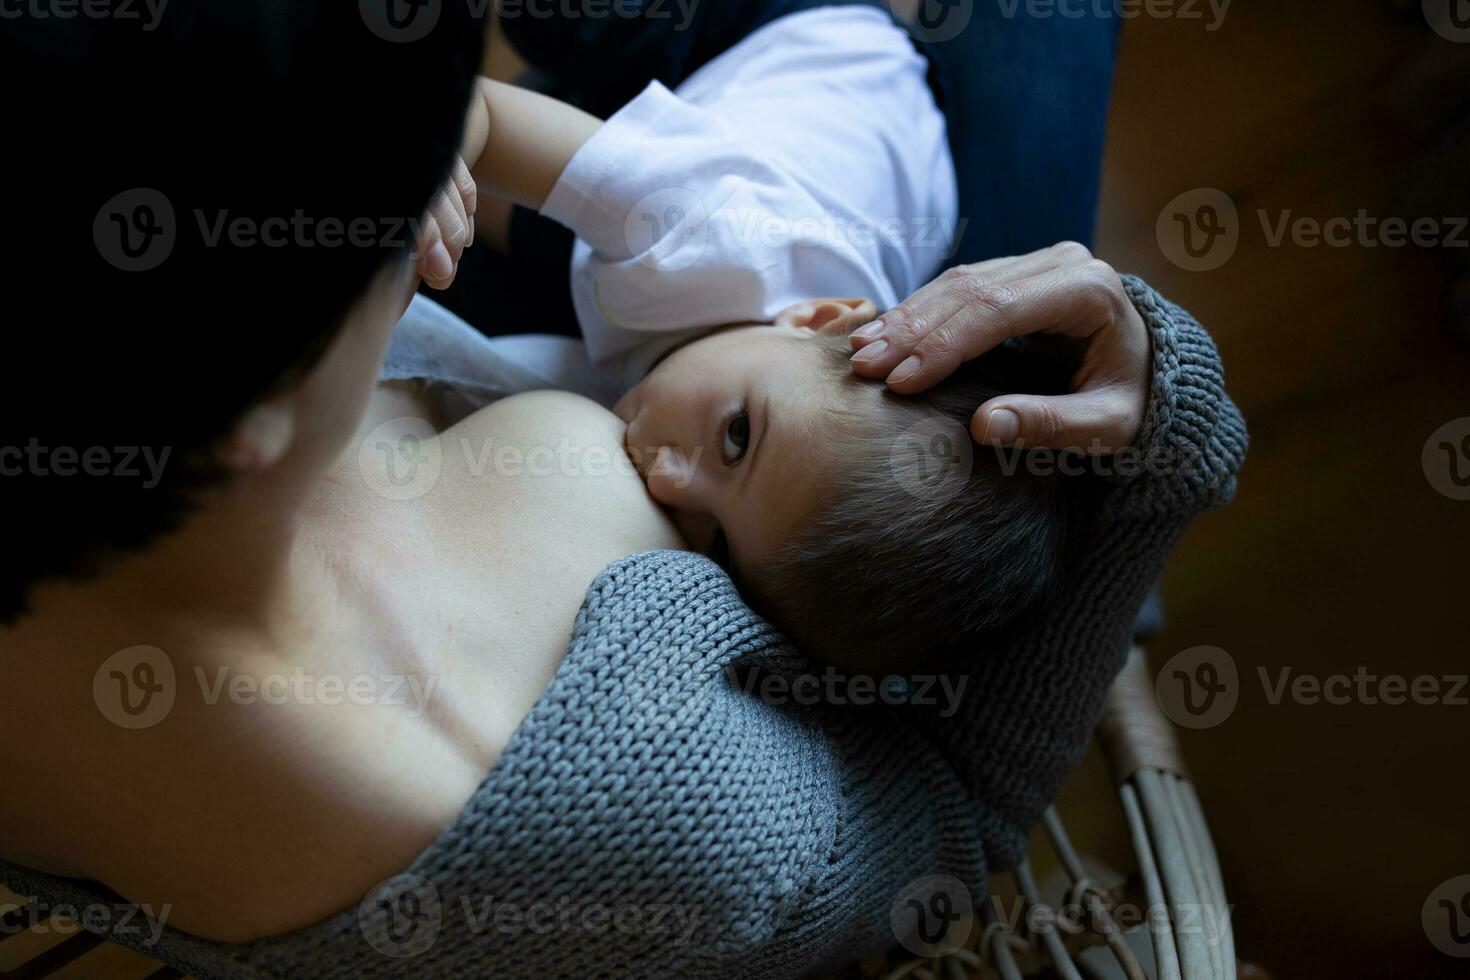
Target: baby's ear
836	317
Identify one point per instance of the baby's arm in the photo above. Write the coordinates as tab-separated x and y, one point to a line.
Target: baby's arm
532	139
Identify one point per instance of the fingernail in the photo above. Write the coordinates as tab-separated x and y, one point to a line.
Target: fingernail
440	265
905	370
1002	427
871	352
869	330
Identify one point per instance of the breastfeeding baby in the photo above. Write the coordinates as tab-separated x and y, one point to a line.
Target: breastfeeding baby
731	236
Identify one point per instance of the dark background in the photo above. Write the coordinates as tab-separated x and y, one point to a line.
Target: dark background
1333	823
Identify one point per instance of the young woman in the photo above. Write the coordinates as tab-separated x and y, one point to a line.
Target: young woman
339	688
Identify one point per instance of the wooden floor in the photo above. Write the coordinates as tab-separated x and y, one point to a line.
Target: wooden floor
1334	823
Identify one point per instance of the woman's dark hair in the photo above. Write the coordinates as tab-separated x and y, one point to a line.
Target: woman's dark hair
195	193
924	545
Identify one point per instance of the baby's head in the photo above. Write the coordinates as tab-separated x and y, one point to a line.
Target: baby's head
863	523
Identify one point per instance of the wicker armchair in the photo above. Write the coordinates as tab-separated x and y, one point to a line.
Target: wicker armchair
1180	926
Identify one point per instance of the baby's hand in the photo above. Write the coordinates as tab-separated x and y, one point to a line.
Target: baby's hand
447	228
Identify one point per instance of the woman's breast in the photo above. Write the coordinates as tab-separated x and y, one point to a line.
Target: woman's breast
519	507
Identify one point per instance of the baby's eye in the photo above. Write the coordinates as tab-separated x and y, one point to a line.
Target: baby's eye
737	435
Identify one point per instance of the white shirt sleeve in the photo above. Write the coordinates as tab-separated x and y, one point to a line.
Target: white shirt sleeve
809	160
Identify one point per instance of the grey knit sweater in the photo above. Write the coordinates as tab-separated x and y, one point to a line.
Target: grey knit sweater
650	818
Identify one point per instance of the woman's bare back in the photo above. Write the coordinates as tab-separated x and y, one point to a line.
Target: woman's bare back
301	763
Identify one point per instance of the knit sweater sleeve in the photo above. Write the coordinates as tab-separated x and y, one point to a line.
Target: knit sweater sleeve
653	817
1031	705
1193	438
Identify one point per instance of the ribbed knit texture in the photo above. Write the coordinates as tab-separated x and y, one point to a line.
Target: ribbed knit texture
645	778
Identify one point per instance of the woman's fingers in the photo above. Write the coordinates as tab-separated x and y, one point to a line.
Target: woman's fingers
1096	422
969	310
1076	302
902	327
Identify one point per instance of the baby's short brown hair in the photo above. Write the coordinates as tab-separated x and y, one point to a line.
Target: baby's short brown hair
925	544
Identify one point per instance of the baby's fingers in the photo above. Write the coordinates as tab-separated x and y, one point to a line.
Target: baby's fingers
435	263
469	191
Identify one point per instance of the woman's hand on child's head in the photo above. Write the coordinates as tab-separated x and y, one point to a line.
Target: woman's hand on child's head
969	309
447	228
